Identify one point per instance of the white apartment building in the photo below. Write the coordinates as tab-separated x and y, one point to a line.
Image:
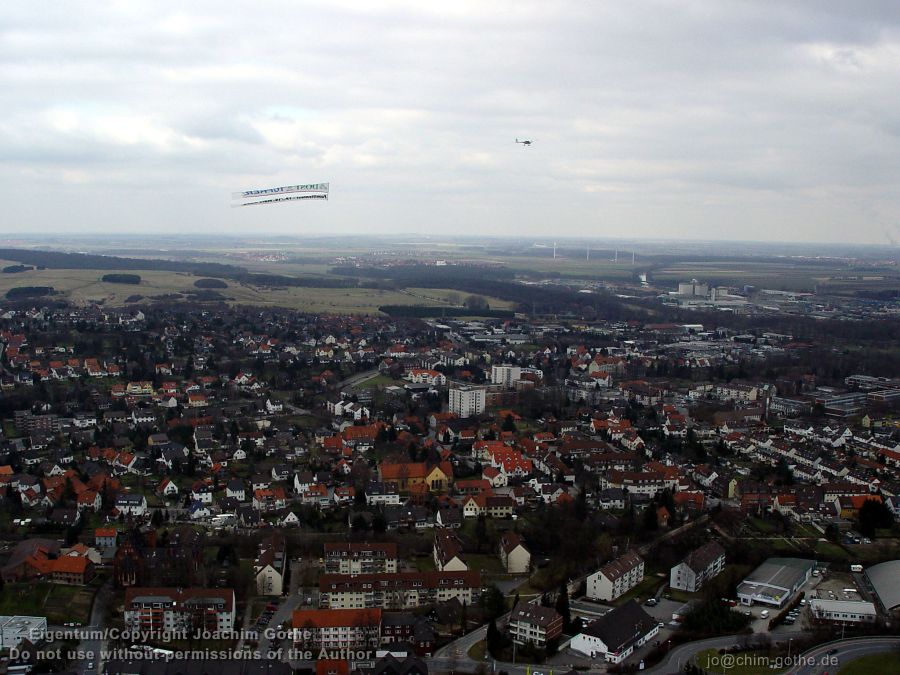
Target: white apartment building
360	558
616	577
172	610
401	590
467	401
336	628
506	375
698	567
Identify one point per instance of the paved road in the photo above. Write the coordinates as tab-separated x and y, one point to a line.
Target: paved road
285	609
818	661
682	654
96	624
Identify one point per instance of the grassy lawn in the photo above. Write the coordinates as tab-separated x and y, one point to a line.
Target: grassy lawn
874	663
424	563
762	525
59	603
826	548
682	596
478	650
643	591
745	663
484	562
378	381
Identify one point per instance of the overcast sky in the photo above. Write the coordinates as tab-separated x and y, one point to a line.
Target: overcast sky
732	120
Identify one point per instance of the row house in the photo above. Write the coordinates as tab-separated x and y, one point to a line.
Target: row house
636	482
490	505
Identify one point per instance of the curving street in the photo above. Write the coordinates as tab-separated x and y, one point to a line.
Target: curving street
820	661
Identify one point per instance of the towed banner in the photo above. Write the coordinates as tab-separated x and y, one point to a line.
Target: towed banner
283	199
319	189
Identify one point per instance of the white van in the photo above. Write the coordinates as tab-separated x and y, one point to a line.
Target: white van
764	614
856	568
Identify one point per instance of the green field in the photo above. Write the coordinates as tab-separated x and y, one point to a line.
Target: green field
317	258
874	663
82	287
378	381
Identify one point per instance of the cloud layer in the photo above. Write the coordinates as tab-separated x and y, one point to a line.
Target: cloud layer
735	120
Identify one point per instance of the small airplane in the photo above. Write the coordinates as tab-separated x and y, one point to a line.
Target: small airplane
526	143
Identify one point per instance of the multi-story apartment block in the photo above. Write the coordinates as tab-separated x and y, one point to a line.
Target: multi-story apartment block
505	375
402	590
534	624
173	610
616	577
336	628
698	567
363	558
467	401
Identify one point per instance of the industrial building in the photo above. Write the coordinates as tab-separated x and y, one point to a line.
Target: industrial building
775	582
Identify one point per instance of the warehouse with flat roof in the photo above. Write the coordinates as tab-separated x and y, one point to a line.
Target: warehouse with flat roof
885	581
775	582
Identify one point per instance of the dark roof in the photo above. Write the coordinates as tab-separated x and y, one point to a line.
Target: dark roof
621	565
622	626
391	665
701	558
196	667
509	540
534	614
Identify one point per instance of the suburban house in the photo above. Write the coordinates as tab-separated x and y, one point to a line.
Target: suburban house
515	557
448	552
269	566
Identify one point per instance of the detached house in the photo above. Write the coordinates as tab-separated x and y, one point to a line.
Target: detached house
448	552
270	564
515	557
131	504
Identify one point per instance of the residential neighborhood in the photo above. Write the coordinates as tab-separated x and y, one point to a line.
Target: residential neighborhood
582	492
